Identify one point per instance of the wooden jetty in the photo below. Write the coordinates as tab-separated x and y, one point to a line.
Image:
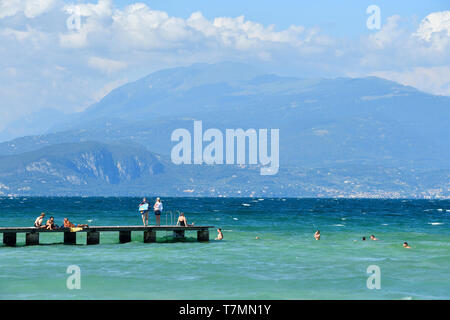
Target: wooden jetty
93	233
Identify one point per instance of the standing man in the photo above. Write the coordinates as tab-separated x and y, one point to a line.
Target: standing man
158	207
143	209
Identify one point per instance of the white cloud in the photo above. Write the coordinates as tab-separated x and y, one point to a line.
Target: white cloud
32	35
433	79
30	8
101	9
435	22
419	58
73	40
434	30
134	40
107	66
387	35
94	15
243	34
138	26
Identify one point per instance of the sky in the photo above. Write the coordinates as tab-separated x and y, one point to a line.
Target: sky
343	18
66	55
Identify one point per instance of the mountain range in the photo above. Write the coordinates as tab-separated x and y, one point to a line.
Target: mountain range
342	137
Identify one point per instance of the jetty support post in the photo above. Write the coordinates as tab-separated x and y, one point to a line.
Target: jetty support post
92	237
124	236
149	236
70	237
32	238
178	234
10	238
203	235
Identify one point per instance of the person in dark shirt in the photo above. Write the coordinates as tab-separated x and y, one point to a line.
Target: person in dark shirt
182	221
50	225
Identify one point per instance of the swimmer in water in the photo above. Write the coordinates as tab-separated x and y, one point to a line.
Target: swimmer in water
363	238
406	245
317	235
219	234
257	238
372	237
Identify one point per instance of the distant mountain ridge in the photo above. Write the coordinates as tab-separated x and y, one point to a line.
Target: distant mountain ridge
38	122
324	123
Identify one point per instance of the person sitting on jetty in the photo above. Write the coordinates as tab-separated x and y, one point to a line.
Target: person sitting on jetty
372	237
317	235
158	208
68	224
182	221
406	245
39	220
143	209
50	225
219	234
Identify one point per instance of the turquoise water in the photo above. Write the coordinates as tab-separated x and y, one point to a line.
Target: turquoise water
285	263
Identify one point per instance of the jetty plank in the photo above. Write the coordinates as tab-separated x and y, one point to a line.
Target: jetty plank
93	233
105	228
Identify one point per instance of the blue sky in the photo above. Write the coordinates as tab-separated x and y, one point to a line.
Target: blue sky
68	54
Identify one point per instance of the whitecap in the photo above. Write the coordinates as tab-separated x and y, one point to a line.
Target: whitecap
435	223
337	225
440	210
343	219
235	219
384	224
246	205
90	220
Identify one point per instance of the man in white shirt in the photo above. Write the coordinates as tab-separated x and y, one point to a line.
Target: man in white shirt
39	220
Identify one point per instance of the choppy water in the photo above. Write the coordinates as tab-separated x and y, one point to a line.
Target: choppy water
285	263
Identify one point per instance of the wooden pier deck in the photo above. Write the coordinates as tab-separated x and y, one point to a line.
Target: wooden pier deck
93	233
